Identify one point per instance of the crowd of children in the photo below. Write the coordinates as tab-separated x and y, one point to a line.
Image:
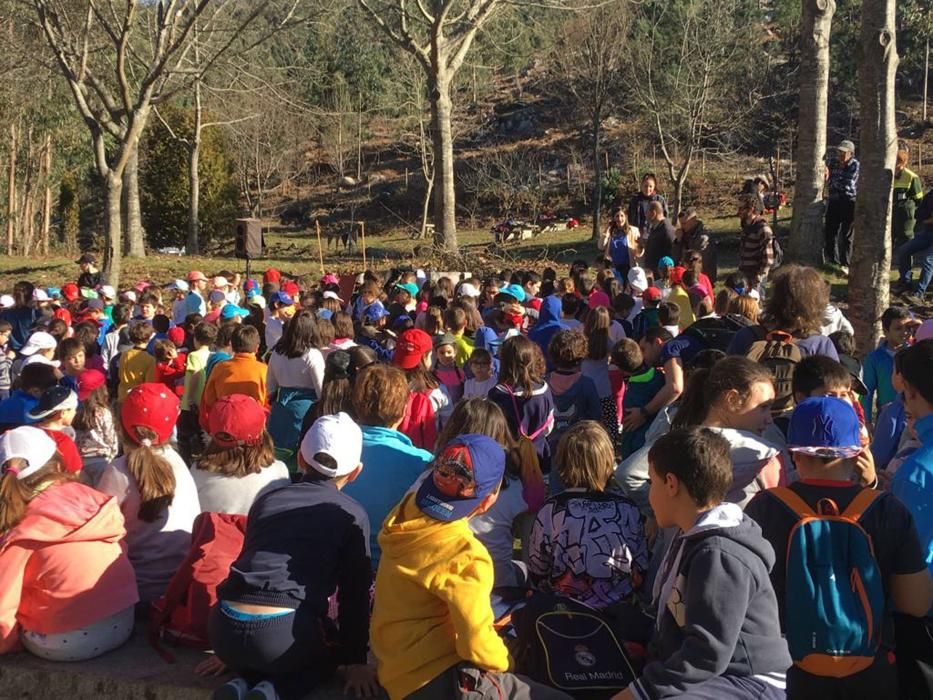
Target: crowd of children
417	462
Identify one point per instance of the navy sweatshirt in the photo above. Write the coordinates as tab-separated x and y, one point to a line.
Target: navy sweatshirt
302	542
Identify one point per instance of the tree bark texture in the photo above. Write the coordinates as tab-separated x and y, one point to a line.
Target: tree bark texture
445	221
47	198
597	180
113	246
194	177
871	247
806	235
11	193
135	234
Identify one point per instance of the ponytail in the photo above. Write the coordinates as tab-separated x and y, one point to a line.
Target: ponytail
153	473
706	386
16	493
693	408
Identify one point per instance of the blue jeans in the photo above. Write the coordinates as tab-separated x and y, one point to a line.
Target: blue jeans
920	245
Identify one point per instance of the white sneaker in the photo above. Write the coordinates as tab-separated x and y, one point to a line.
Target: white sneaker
264	690
234	689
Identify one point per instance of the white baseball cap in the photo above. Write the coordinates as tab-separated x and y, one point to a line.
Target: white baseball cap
40	295
179	285
220	282
332	295
337	437
129	295
6	301
29	444
108	291
40	340
637	280
468	290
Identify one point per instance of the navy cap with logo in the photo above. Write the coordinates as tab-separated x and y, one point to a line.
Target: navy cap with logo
468	469
824	426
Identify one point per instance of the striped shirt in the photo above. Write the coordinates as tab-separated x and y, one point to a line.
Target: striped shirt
756	249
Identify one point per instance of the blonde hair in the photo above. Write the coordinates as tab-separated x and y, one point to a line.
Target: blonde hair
153	473
15	494
585	457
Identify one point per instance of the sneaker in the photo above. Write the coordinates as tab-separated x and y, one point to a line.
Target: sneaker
235	689
264	690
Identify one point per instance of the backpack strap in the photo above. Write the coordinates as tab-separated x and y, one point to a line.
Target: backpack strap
794	502
518	417
860	504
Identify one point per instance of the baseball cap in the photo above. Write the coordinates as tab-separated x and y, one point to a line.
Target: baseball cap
468	469
233	311
330	278
677	274
7	301
446	339
177	335
153	406
40	295
855	373
216	295
924	332
142	286
325	314
598	298
219	281
337	437
129	295
411	347
291	288
236	420
95	304
29	444
666	261
88	258
40	340
196	275
409	287
70	291
824	426
846	146
108	292
332	295
88	293
282	299
375	312
89	381
651	294
468	290
55	398
513	290
271	276
179	285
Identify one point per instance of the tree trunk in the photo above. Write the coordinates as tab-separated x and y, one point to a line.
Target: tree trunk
426	205
445	222
806	233
598	177
135	235
194	195
47	203
113	220
871	250
11	194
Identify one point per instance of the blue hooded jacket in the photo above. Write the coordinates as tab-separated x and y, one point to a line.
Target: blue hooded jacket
548	324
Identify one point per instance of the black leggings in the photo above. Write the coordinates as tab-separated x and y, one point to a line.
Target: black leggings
289	651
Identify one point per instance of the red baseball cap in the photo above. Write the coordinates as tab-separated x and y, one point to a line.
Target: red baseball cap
70	291
151	406
176	335
271	276
651	294
89	381
677	274
411	347
236	420
291	288
196	275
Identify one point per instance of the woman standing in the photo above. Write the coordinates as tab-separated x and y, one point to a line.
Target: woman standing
621	243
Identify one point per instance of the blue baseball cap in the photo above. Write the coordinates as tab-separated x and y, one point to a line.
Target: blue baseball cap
409	287
282	299
515	291
468	469
325	314
666	261
232	311
825	426
375	312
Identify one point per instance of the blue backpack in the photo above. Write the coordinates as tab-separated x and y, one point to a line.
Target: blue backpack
833	626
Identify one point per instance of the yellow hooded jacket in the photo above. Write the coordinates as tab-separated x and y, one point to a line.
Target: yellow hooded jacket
437	578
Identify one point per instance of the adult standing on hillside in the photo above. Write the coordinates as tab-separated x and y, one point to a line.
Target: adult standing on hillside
691	235
639	203
659	240
842	186
621	243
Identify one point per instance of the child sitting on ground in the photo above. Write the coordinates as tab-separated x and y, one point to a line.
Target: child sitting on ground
483	378
302	543
602	560
824	440
54	415
432	627
717	633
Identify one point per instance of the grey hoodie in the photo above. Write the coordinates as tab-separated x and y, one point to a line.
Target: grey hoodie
717	611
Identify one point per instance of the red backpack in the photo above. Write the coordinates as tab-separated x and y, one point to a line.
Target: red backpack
181	614
418	423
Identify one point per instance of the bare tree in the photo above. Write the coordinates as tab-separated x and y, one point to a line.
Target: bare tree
806	229
871	249
588	61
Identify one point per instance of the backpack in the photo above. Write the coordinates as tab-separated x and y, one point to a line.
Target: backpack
717	333
181	614
419	422
778	352
835	583
572	647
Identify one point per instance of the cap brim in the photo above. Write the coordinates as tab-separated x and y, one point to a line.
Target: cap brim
829	452
438	506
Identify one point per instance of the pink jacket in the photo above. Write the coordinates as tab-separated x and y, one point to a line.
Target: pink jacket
64	566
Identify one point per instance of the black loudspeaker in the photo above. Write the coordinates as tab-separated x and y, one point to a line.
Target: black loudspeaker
248	239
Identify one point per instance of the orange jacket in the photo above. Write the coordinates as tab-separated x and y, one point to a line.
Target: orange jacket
64	566
243	374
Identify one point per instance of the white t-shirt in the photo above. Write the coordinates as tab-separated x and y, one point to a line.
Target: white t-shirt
235	495
305	372
473	387
157	548
274	328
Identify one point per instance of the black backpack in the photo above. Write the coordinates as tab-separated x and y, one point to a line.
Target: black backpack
717	333
572	647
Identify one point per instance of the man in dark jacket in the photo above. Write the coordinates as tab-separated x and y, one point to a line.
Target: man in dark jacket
842	185
660	238
692	235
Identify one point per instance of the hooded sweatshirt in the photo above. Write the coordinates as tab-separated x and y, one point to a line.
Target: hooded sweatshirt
64	566
717	611
548	324
575	399
439	579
